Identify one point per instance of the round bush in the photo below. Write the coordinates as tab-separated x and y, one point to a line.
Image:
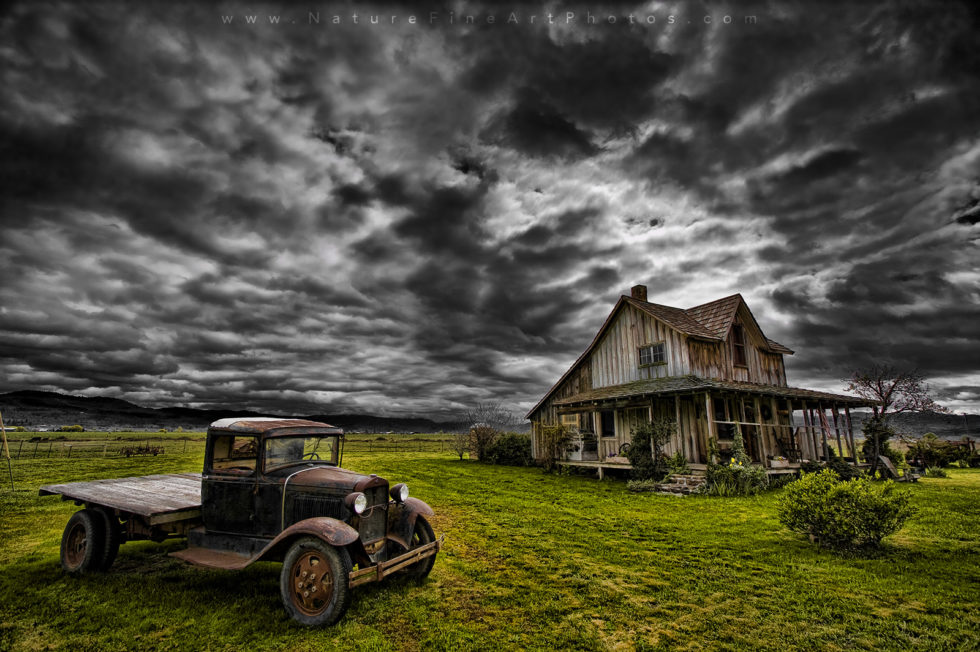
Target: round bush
844	514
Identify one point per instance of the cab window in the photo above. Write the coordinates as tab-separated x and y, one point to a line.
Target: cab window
234	454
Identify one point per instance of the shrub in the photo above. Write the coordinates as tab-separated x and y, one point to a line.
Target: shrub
75	428
638	486
645	452
884	432
555	440
512	449
734	480
738	477
842	514
482	437
844	470
936	472
677	463
932	451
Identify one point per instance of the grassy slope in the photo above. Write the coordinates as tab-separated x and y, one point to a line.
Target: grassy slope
531	561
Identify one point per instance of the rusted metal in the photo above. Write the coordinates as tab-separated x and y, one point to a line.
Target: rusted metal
384	569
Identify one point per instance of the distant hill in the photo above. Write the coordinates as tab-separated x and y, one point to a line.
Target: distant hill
50	410
915	424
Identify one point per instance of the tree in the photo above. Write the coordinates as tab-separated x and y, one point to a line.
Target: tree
461	443
892	392
486	421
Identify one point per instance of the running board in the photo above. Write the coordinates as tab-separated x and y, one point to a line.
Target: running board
380	571
211	558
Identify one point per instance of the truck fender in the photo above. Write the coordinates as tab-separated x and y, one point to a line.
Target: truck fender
401	520
332	531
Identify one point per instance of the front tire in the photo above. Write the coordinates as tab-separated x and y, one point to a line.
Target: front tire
83	542
313	582
422	535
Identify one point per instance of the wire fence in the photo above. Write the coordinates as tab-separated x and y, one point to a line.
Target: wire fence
45	448
57	448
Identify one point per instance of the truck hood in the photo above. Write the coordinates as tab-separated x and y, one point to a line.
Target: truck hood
331	477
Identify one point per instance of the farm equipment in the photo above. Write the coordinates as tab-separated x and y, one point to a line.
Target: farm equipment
271	490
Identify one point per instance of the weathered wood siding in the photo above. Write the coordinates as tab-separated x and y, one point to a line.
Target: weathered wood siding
716	359
616	358
579	380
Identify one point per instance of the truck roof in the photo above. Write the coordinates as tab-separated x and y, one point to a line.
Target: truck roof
274	426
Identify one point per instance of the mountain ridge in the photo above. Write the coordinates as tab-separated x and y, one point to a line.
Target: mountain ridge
35	409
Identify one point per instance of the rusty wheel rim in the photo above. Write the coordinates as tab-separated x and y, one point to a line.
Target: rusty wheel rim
312	583
77	542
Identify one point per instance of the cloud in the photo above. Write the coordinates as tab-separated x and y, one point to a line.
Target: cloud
411	218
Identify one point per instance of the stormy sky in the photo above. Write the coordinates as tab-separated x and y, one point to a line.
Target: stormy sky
303	214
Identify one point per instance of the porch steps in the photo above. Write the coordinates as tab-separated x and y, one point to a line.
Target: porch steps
681	485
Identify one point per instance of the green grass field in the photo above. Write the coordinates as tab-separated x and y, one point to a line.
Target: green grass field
531	561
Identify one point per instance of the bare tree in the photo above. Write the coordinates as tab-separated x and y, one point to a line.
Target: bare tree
486	421
490	414
461	443
892	391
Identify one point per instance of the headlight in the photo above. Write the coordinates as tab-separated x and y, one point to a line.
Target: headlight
357	502
399	493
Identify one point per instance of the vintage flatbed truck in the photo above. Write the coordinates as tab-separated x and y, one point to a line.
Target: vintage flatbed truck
271	490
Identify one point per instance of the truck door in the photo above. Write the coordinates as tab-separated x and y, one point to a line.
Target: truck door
229	484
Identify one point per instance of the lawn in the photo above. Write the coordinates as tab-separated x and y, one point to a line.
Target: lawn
531	561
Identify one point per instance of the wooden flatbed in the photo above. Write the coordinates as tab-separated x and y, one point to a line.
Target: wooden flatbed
157	498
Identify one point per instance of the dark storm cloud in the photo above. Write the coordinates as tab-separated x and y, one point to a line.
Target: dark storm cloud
414	218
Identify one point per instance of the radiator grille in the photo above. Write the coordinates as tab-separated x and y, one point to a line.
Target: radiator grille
373	524
307	506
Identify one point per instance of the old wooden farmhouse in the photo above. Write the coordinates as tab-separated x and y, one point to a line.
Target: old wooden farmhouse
711	368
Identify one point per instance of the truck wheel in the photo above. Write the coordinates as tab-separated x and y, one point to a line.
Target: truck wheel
83	542
422	535
313	582
113	537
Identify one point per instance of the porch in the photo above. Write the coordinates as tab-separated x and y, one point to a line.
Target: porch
781	427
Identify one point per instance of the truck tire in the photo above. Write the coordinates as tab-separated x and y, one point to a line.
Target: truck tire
113	537
83	542
313	582
422	535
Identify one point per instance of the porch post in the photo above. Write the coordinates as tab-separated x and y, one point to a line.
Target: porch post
712	434
850	432
680	434
823	431
808	435
840	448
793	438
763	448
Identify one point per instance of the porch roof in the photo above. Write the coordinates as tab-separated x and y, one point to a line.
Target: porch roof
692	384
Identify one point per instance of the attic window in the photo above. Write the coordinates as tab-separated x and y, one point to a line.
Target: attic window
738	346
653	354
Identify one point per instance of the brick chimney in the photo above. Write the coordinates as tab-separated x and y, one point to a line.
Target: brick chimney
639	292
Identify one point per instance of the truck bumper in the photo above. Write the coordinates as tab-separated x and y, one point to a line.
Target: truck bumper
380	571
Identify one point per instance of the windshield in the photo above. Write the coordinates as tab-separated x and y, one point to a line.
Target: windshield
281	452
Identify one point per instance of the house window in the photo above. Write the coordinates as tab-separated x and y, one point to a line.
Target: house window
653	354
608	423
570	421
738	346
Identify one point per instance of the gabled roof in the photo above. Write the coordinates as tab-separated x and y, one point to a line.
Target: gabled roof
708	321
717	316
675	317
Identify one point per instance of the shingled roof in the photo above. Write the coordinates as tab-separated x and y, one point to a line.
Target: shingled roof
690	384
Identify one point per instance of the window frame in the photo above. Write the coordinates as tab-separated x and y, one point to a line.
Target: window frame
653	362
739	346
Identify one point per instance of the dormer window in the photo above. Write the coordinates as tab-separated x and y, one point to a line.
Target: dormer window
738	346
652	354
